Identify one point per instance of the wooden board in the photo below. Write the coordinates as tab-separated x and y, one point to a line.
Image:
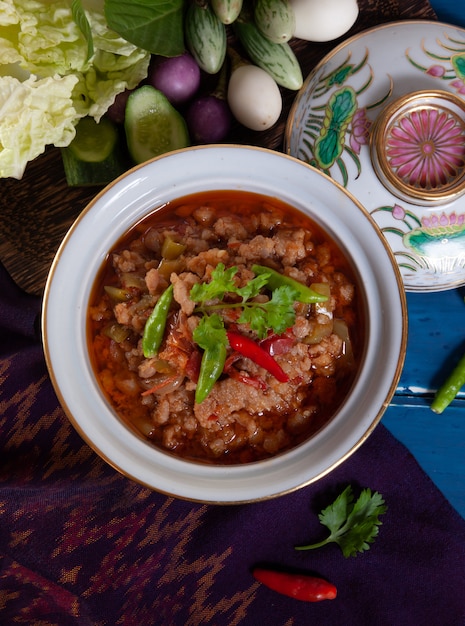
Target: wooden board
37	211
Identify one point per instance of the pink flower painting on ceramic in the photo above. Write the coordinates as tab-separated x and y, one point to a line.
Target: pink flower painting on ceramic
360	131
426	148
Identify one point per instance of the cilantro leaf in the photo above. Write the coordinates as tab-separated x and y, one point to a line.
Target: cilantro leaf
210	332
278	313
352	525
252	288
222	281
256	318
280	309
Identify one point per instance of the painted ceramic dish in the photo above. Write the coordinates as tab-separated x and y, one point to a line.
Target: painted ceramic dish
383	114
137	194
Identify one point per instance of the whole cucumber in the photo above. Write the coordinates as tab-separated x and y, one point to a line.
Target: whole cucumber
205	37
278	59
275	19
227	11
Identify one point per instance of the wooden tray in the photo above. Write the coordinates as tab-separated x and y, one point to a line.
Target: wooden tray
37	211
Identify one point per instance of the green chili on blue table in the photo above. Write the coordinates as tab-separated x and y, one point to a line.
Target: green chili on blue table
450	388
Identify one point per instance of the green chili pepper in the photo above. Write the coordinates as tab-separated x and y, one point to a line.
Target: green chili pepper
155	325
211	367
275	280
450	388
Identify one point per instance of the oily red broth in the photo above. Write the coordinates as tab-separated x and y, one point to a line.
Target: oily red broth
248	415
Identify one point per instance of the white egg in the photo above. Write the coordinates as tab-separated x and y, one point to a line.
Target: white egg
323	20
254	97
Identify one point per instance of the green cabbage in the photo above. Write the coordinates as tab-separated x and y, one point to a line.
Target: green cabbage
47	80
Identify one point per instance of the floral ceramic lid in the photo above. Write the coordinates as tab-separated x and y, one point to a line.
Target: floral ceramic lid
384	115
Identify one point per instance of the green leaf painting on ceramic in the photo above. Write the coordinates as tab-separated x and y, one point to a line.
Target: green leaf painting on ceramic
458	63
341	74
339	77
444	65
338	115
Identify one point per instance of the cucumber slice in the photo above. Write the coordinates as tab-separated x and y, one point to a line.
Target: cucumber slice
152	125
94	141
95	156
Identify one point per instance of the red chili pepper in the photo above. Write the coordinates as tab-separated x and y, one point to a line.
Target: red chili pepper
277	344
248	348
298	586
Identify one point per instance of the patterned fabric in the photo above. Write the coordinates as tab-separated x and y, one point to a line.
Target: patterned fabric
82	545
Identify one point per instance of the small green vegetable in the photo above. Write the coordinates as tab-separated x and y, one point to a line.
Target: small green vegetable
205	36
210	335
118	294
353	525
450	388
278	59
275	19
117	332
171	249
227	11
276	280
155	325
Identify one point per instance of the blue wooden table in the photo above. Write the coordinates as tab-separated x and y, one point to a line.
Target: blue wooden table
450	11
436	340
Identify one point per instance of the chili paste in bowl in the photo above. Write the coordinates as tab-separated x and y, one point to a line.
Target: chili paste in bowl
224	324
226	327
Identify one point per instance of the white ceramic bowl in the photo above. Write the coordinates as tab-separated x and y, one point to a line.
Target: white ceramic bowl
137	193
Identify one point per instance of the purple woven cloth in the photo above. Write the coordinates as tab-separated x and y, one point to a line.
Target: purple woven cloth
81	544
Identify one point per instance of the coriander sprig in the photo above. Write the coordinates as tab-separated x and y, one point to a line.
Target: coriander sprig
276	314
352	525
222	282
